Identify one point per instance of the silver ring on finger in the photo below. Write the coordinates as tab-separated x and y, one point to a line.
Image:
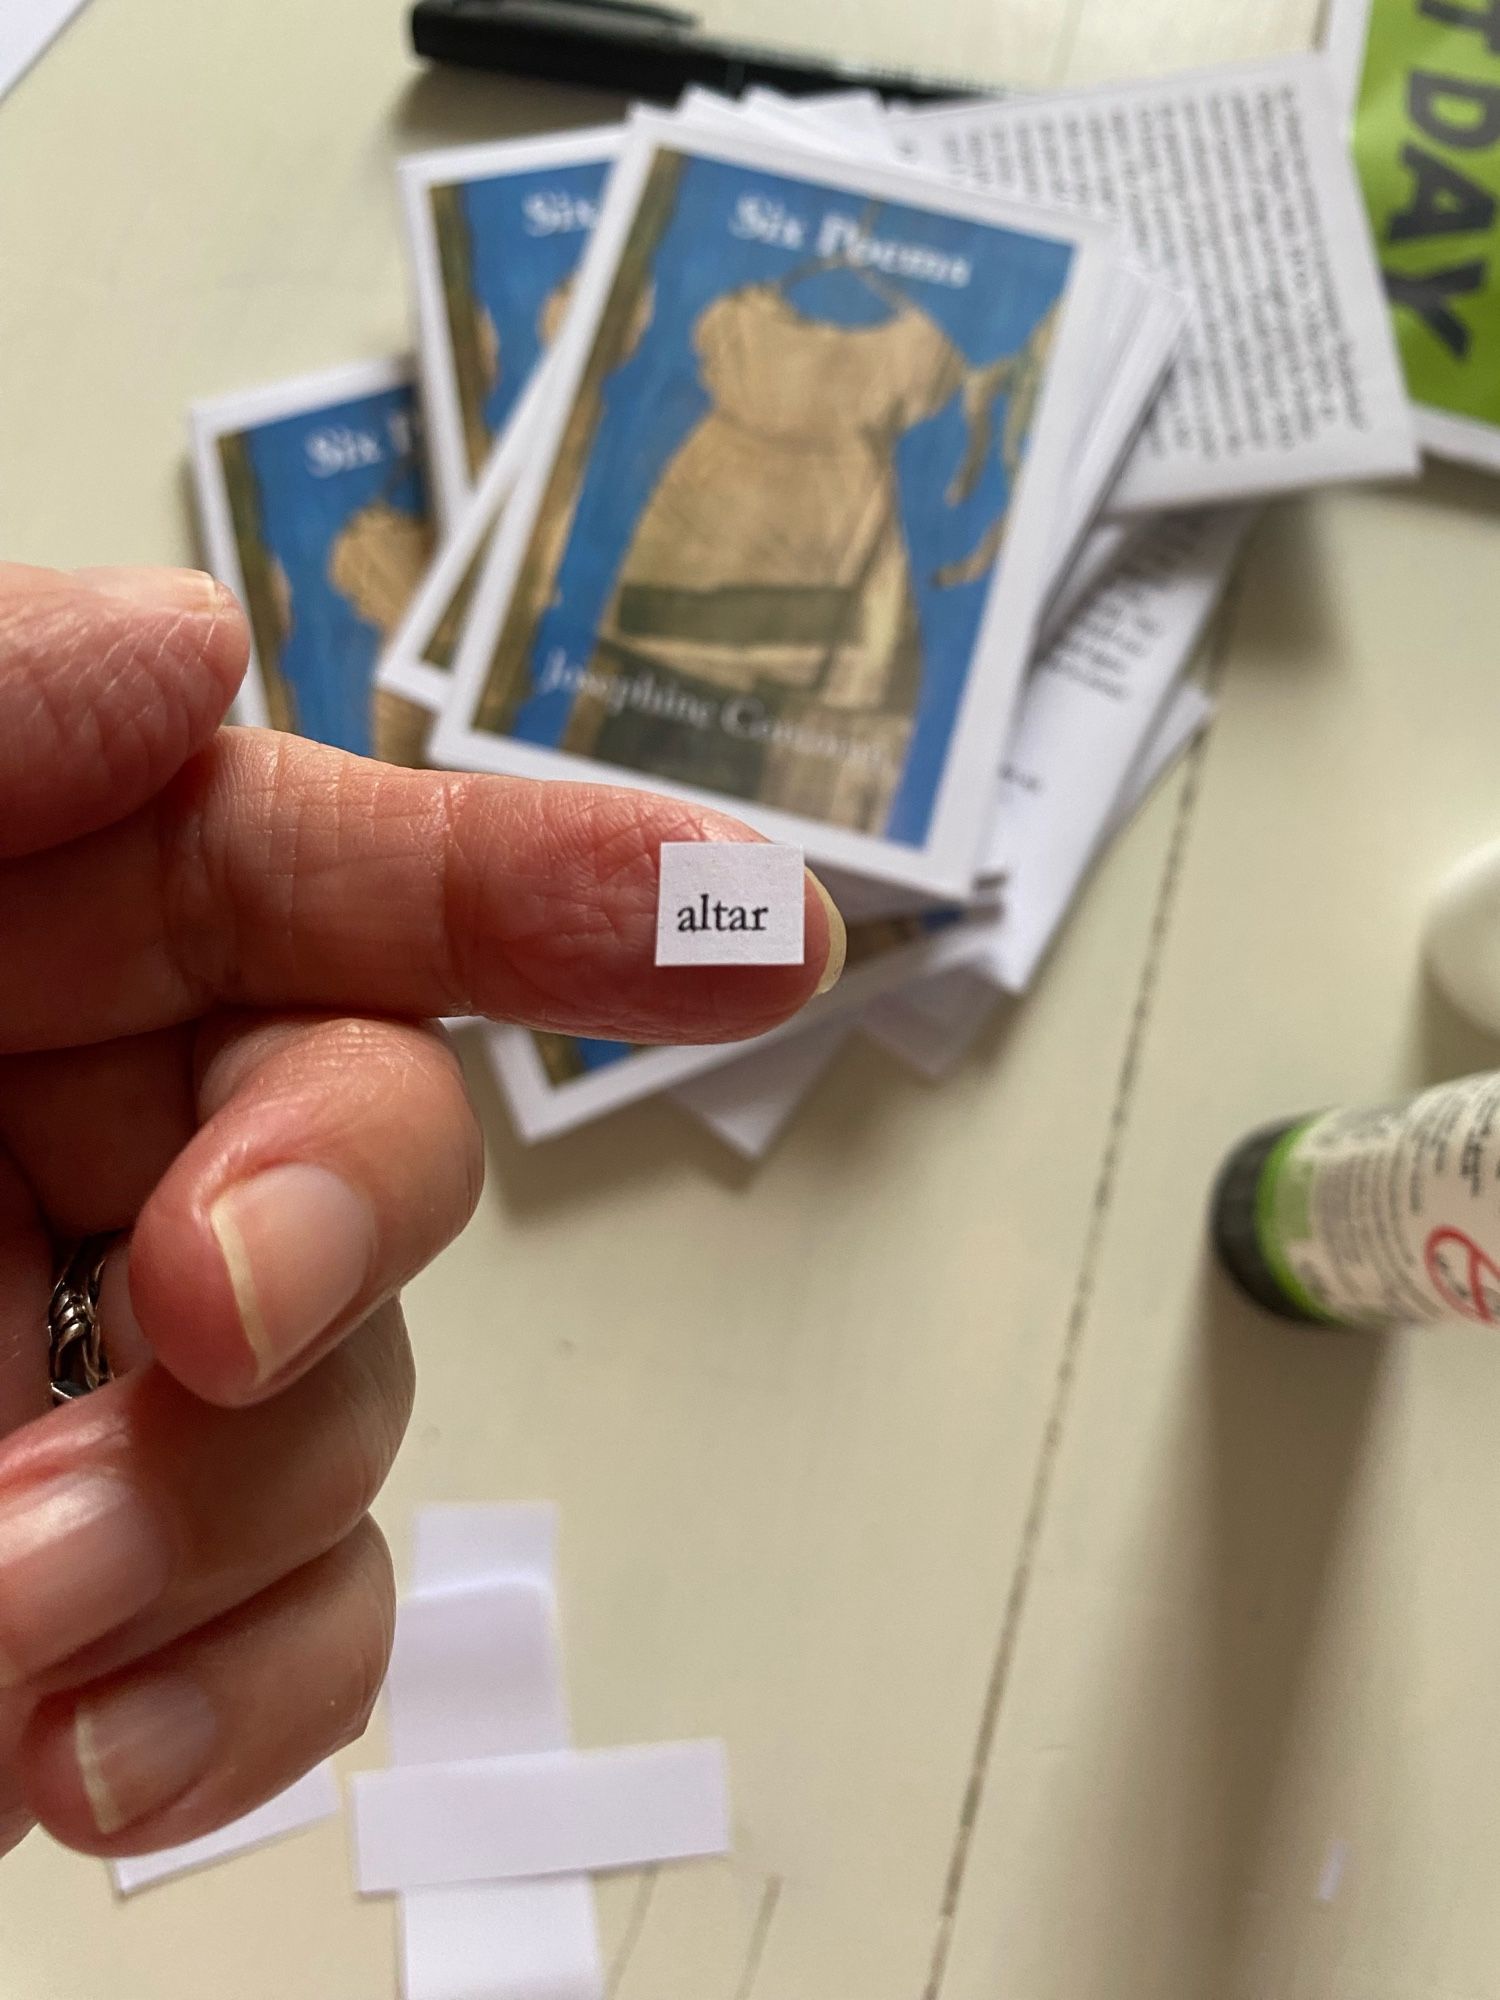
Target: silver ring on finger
75	1346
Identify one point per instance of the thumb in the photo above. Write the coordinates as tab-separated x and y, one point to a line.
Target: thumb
110	679
15	1819
25	1287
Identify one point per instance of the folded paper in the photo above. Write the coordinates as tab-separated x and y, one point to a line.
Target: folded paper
476	1671
570	1812
313	1798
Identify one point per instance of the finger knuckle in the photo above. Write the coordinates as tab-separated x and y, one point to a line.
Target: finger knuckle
216	826
369	1385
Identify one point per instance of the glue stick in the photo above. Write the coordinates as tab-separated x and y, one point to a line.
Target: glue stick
1370	1217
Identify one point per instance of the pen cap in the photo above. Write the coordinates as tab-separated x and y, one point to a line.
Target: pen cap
1232	1222
1463	937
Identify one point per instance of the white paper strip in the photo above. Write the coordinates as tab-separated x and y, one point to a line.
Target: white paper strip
729	902
502	1941
572	1812
476	1673
313	1798
490	1940
27	27
467	1544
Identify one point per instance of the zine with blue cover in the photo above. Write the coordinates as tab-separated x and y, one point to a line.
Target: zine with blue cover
496	236
565	1059
764	545
510	245
315	506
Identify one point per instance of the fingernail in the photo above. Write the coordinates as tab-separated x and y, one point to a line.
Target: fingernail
838	939
142	1746
298	1243
185	590
125	1346
78	1556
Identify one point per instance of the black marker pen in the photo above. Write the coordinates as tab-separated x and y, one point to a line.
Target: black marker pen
639	50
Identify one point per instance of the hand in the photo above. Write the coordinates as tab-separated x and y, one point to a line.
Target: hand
220	950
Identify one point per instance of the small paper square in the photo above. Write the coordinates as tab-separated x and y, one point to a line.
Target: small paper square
725	902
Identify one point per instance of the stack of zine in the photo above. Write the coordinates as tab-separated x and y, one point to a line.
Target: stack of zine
868	473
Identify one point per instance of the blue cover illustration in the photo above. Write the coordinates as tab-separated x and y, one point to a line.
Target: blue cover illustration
330	517
764	553
508	246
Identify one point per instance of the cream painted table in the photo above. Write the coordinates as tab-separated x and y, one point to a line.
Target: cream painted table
1072	1630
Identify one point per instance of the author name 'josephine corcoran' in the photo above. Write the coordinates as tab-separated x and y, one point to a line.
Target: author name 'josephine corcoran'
741	716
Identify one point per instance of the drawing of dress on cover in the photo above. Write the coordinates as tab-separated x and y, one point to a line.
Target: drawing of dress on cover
770	567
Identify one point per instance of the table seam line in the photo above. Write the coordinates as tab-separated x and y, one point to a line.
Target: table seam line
640	1909
759	1937
1104	1187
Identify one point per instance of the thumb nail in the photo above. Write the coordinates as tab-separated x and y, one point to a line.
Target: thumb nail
191	591
838	939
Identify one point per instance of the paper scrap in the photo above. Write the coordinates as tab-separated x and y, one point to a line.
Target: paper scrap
27	29
503	1941
487	1940
570	1812
476	1672
468	1544
313	1798
728	902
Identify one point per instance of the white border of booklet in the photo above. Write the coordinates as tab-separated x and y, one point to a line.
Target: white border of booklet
403	667
944	865
455	166
541	1109
214	417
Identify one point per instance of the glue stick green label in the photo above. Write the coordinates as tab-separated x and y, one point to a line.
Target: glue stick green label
1372	1217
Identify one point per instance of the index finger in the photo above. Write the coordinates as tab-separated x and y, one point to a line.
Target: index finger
275	872
109	679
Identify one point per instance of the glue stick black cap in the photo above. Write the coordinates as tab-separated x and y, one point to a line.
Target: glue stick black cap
1232	1223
